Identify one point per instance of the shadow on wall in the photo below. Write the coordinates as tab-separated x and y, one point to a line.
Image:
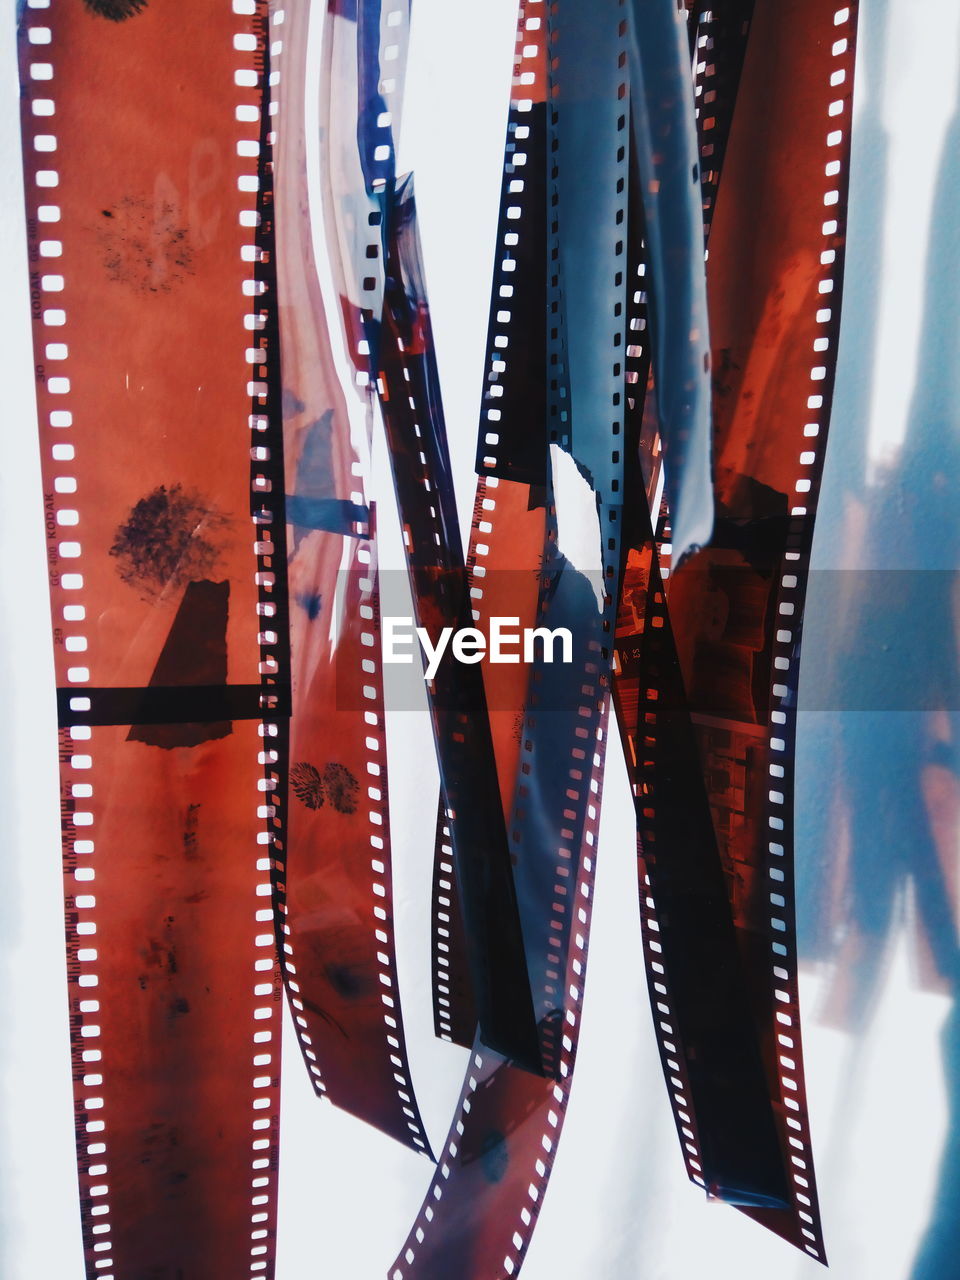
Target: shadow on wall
881	851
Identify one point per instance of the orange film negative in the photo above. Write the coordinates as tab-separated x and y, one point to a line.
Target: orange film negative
715	692
508	528
140	124
698	983
373	245
774	331
481	1209
331	836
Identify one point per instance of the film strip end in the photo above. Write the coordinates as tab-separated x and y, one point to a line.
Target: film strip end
482	1206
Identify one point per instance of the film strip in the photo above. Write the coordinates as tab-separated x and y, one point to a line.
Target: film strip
640	622
699	993
372	221
482	1205
480	1211
803	341
183	731
508	526
757	561
697	982
413	417
664	142
331	837
823	80
137	283
668	193
719	34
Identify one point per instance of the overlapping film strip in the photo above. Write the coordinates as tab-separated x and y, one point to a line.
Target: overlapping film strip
229	325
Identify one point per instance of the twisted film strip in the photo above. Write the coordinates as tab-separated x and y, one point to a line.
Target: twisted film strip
664	138
586	326
508	526
413	418
698	989
373	235
831	80
332	848
759	552
141	321
482	1207
164	723
640	609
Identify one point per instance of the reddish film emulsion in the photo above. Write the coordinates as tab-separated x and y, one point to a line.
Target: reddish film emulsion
143	334
734	610
480	1211
333	886
509	522
132	117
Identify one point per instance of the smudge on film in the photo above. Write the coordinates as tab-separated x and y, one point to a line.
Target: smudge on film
116	10
191	848
315	479
342	787
307	785
166	540
349	982
312	602
290	403
143	243
337	784
494	1156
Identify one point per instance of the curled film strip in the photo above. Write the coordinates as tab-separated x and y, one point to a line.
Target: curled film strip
413	417
481	1209
802	343
698	984
505	554
801	1223
142	384
375	245
759	550
332	845
181	748
664	143
697	988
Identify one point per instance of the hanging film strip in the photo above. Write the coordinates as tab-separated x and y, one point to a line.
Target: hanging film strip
476	830
698	983
389	343
773	332
508	526
786	1203
331	842
142	246
225	794
699	1000
534	452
